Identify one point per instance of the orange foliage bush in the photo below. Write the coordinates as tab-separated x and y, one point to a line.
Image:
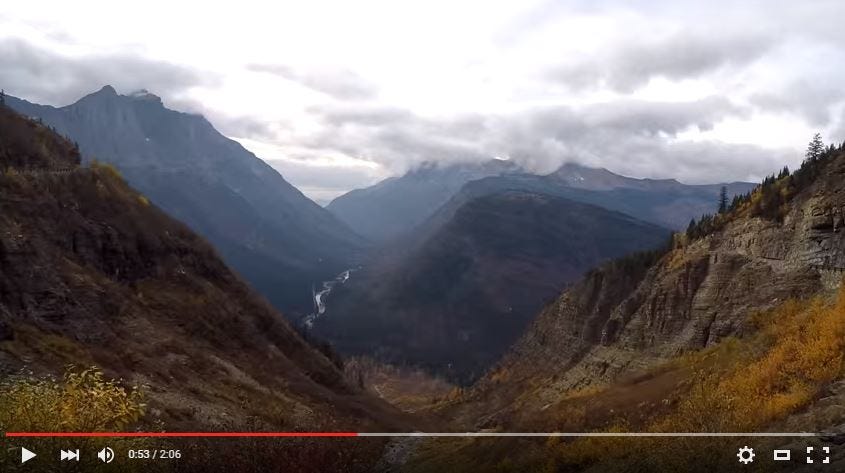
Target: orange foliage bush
806	346
740	385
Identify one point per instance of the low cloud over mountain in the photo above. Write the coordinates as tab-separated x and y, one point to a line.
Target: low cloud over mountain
628	87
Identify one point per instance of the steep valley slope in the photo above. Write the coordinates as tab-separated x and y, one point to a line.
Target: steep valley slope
456	300
93	274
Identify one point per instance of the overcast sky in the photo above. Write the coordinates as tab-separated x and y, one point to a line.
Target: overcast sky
340	94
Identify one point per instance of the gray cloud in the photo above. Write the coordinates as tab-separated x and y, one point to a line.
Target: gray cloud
813	100
247	127
338	83
362	115
631	64
46	77
237	126
631	116
634	137
837	134
625	136
691	162
397	138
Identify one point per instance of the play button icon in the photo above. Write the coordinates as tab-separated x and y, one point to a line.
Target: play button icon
26	455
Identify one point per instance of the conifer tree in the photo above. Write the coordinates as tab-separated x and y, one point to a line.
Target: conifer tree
815	149
723	200
691	228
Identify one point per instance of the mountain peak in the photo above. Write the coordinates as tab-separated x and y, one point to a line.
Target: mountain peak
106	93
145	95
580	176
106	90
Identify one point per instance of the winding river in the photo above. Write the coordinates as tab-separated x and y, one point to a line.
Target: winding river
321	296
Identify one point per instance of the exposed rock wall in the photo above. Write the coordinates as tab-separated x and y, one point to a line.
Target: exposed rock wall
618	321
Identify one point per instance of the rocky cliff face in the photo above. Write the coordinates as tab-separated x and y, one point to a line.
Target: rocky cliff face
632	315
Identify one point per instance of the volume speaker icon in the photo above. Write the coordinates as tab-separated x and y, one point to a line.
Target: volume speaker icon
106	455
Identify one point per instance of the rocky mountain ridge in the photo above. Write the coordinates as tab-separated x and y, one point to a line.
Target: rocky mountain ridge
266	229
407	205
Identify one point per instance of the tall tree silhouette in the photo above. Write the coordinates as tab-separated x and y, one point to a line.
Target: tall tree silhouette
815	149
723	200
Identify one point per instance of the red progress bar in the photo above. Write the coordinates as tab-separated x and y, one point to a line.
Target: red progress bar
181	434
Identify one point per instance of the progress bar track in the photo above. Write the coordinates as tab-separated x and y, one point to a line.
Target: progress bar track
591	434
416	434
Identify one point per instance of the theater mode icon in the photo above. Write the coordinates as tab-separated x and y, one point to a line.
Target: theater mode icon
782	455
69	455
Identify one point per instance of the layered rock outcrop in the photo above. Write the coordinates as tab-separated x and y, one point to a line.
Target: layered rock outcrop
629	316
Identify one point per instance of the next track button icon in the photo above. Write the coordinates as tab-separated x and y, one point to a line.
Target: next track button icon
69	455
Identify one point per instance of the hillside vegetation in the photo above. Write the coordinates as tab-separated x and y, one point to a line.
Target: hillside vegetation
93	274
771	198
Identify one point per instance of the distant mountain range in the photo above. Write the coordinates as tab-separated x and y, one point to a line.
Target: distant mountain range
456	299
266	229
397	206
665	202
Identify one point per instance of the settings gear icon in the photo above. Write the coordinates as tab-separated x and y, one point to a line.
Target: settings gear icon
745	455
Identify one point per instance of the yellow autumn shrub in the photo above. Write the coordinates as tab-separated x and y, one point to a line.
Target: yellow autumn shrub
108	168
740	385
805	352
83	401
